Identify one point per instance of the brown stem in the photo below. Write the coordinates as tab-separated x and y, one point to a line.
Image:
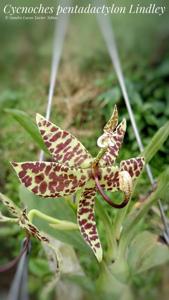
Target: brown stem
13	262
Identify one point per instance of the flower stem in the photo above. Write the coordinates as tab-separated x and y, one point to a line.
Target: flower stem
119	218
99	156
53	222
8	219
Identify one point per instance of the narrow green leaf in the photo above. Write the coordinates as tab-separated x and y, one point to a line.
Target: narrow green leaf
111	241
160	192
157	141
118	221
136	214
26	122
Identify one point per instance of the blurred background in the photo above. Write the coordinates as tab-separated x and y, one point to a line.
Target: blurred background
86	91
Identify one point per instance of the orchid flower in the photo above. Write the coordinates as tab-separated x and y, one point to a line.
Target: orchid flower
21	217
73	169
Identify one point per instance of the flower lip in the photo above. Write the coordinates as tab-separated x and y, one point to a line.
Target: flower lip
111	143
102	141
105	141
105	197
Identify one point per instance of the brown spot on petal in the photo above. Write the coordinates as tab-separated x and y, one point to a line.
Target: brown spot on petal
43	187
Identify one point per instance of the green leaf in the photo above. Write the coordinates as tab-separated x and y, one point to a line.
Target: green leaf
157	141
146	252
26	122
111	241
137	215
161	191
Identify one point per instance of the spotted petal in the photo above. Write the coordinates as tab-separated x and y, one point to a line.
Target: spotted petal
112	151
62	145
13	209
22	218
122	179
133	166
86	220
49	179
113	179
113	121
110	178
31	228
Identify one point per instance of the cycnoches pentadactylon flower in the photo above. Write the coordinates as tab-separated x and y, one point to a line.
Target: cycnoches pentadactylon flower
74	168
21	218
